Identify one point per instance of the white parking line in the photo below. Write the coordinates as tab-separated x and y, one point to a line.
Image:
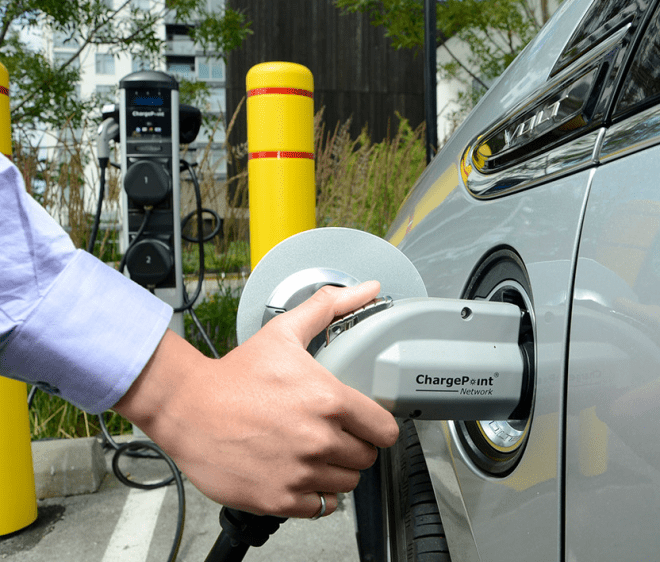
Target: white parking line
132	535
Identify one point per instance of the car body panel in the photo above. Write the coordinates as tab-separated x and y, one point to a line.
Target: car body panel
446	233
613	455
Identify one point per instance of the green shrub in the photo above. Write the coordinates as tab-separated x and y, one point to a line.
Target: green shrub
217	315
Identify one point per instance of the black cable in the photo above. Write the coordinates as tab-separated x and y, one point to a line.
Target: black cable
203	333
136	238
135	446
240	531
109	441
188	303
208	237
103	164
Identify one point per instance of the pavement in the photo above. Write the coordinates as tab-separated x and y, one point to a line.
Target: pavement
116	523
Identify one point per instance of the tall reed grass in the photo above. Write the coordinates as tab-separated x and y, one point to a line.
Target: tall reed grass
361	184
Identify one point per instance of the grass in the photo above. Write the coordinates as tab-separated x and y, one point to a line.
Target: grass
51	417
233	260
361	184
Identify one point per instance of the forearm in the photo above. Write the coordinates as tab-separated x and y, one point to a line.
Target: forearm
68	323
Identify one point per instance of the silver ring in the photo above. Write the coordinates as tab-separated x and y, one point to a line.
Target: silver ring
321	512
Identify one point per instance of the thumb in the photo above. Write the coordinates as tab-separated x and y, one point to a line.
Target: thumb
316	313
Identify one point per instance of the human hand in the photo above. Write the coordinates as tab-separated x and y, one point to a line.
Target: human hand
265	428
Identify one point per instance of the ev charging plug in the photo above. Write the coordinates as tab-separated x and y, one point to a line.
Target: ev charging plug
417	356
108	131
425	358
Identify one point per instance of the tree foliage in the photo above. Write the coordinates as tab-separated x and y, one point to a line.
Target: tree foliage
43	91
494	32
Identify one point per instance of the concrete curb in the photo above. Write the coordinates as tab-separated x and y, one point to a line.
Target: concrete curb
67	467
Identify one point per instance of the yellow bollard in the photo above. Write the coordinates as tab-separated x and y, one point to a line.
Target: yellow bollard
5	123
280	123
18	501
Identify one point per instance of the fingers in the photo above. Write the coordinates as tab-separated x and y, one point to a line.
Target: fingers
333	479
352	453
368	421
360	416
316	313
313	506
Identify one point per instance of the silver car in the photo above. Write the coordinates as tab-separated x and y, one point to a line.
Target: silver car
548	197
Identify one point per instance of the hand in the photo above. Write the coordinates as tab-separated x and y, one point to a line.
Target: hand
265	428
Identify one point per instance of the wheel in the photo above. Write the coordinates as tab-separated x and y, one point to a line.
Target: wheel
414	524
397	514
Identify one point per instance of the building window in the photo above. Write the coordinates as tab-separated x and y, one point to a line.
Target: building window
211	69
105	63
105	93
140	64
61	57
62	39
182	70
181	67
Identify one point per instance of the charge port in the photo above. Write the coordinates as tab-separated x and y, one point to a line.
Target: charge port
496	446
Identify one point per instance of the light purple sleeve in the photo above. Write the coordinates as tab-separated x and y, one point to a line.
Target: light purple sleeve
68	322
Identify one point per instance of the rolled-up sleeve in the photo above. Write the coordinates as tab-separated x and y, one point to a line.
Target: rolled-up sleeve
68	322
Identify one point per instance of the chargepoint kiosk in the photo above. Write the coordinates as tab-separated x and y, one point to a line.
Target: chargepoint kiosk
149	133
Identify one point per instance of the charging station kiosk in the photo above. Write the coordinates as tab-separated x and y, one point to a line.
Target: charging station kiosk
150	164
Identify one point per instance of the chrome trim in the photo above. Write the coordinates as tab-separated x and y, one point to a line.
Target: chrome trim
560	111
632	135
568	158
509	435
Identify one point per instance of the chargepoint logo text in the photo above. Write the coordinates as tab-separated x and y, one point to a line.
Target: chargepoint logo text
461	385
148	114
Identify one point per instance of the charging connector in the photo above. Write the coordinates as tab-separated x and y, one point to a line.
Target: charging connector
427	358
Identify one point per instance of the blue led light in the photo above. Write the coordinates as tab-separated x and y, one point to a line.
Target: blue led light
146	100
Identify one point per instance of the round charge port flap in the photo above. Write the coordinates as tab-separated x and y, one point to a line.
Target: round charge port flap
300	265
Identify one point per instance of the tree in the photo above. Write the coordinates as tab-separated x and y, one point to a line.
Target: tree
494	32
43	91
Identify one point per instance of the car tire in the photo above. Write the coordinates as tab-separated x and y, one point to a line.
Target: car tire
415	530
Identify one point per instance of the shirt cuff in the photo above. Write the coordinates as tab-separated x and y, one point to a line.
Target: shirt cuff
89	337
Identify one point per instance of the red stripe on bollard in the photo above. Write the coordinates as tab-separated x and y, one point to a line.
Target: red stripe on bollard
280	154
291	91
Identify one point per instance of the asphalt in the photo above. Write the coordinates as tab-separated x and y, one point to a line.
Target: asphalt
117	523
